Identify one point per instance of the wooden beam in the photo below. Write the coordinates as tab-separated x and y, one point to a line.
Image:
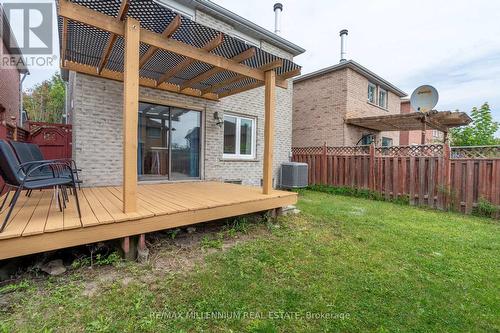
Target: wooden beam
130	109
145	82
241	89
64	40
289	74
122	13
270	105
214	71
435	125
211	45
269	66
90	17
198	54
107	23
167	33
251	86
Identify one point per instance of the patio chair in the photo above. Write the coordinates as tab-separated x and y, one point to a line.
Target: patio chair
24	177
29	152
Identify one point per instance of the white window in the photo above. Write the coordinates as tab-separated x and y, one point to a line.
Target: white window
386	142
382	98
371	92
239	137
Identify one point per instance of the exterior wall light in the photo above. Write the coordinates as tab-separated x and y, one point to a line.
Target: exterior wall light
219	120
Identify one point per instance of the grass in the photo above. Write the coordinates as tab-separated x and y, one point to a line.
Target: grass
345	264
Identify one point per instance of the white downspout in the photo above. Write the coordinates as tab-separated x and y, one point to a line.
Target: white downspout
21	99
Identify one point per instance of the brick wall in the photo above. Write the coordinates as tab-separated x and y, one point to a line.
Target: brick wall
97	130
322	103
319	106
9	90
358	106
415	137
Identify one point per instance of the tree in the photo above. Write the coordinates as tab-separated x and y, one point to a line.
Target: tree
45	102
480	132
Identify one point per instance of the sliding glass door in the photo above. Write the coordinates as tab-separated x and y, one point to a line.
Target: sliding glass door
169	143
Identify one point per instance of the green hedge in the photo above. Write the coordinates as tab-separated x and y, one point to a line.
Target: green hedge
358	193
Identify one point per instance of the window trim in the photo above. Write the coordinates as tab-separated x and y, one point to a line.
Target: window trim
238	155
386	98
370	84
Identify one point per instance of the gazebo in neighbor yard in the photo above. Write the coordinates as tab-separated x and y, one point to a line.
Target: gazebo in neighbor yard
438	120
142	43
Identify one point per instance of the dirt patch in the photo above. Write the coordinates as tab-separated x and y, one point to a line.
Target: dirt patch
172	251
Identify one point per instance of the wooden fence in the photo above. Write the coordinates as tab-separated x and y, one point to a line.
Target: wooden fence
434	175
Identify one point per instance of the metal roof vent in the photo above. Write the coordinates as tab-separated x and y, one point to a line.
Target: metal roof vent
343	42
278	8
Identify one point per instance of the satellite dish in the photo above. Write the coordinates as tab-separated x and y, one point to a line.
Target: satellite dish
424	98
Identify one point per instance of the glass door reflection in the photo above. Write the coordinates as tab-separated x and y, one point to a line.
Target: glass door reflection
169	143
154	138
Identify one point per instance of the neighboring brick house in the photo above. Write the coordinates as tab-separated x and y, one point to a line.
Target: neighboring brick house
10	75
95	105
415	137
324	99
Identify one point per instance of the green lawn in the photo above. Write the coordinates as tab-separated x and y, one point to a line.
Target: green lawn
344	264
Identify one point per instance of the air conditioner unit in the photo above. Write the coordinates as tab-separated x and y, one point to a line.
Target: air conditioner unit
294	175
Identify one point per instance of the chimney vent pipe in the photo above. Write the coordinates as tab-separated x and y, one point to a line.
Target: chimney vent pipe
343	42
278	8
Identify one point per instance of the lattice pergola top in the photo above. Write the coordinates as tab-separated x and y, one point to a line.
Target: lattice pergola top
176	53
439	120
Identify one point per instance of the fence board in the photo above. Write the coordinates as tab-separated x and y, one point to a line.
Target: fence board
469	195
431	181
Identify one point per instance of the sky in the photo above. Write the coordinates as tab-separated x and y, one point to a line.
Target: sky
453	45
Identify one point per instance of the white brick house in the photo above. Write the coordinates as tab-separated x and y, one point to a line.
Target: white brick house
96	104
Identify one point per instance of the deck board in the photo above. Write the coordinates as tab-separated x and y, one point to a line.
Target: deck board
97	208
37	225
38	220
25	211
55	218
88	217
20	202
170	197
71	219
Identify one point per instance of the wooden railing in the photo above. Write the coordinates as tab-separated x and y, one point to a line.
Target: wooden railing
433	175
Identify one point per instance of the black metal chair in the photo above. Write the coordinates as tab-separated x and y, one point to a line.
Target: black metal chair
29	152
25	177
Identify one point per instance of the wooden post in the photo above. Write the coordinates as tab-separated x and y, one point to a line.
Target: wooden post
424	130
324	166
469	186
371	177
447	176
130	111
270	105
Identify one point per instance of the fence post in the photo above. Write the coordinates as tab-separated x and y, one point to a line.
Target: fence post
371	175
324	166
447	175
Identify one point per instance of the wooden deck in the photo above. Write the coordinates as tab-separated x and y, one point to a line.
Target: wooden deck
37	225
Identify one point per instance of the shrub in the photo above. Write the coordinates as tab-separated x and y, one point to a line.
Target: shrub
358	193
485	208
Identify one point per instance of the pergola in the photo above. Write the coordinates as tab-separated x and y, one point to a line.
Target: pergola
438	120
145	44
